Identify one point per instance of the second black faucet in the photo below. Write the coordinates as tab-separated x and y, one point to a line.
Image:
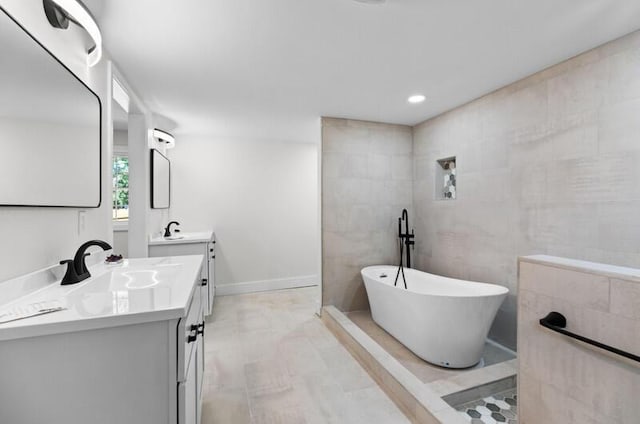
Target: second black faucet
167	231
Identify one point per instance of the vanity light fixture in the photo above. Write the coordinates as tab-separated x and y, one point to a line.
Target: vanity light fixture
165	137
417	98
61	12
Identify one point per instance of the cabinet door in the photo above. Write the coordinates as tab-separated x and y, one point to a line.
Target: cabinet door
187	333
212	274
206	282
199	375
188	395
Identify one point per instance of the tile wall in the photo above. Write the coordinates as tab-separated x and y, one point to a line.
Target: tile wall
550	165
367	171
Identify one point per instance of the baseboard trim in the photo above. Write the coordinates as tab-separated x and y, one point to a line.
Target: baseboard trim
267	285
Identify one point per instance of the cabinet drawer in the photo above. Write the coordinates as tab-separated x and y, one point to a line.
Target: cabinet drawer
189	330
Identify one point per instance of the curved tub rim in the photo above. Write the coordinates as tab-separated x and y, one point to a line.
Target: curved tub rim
504	291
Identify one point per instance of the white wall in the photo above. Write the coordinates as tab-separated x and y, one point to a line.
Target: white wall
121	138
33	238
261	199
121	243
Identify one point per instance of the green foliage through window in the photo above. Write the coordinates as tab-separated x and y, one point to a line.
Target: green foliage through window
120	188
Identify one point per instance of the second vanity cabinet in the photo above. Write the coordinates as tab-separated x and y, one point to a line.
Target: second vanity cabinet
201	243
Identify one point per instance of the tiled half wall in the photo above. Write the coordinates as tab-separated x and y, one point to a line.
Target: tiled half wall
560	380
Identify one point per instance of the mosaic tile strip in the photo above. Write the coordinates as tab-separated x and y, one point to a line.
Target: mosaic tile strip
449	177
498	408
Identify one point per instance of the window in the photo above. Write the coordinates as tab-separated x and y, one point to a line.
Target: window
120	187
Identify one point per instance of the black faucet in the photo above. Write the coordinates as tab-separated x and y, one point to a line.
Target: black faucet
406	238
77	269
167	231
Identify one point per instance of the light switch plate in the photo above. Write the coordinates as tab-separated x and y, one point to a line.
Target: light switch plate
82	222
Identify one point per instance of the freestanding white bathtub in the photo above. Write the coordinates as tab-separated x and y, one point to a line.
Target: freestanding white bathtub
442	320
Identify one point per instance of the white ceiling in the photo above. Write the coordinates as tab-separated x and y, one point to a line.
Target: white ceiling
269	69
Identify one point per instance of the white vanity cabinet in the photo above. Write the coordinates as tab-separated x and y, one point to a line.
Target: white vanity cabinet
191	361
129	349
201	243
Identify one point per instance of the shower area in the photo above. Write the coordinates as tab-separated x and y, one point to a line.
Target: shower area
391	190
537	170
372	180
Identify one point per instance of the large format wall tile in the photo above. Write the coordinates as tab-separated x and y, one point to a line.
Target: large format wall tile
550	164
367	179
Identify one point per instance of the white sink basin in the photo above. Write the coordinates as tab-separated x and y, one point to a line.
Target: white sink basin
182	238
131	278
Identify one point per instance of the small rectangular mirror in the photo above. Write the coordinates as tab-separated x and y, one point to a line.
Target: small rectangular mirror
160	180
50	127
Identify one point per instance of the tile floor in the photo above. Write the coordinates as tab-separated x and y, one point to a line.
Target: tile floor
269	359
426	372
497	408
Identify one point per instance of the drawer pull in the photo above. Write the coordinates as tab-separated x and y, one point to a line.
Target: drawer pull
193	329
204	282
200	329
210	250
213	257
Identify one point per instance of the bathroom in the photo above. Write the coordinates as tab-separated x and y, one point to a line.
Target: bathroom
352	211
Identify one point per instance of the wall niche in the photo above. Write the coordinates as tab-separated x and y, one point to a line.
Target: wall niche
446	179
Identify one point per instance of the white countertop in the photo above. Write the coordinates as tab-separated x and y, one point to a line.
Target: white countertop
185	238
136	291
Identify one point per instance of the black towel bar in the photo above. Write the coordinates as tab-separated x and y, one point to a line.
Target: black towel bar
557	322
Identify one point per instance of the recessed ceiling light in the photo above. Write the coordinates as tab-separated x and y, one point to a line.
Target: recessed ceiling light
417	98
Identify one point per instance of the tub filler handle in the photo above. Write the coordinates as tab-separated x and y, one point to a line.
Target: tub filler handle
555	321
